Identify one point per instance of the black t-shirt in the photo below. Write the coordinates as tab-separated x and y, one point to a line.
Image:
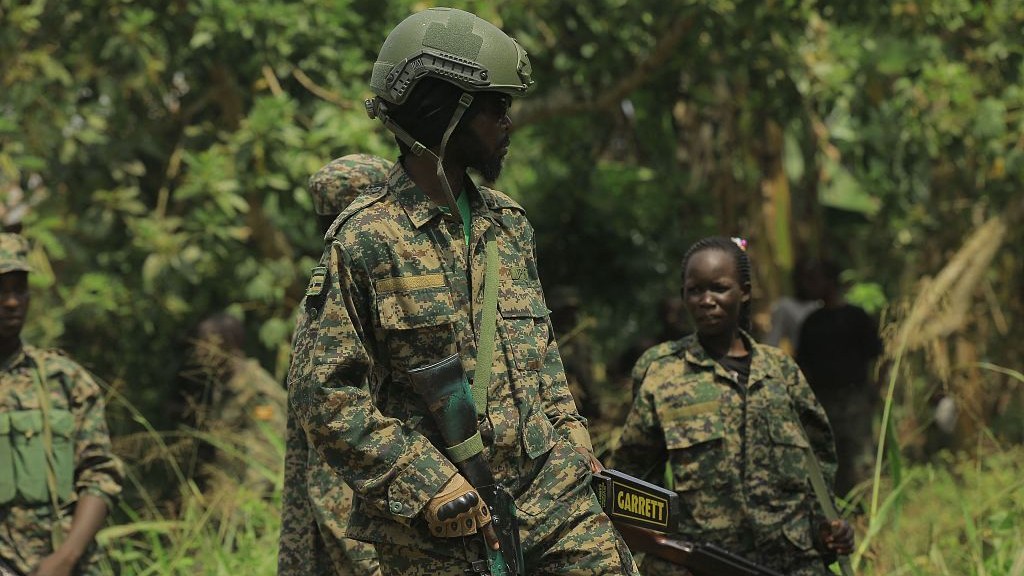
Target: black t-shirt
837	346
739	366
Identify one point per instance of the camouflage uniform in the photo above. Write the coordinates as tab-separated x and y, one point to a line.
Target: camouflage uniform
395	294
337	184
737	455
316	502
25	529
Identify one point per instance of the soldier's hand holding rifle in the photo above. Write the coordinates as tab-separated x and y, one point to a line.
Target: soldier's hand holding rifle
458	510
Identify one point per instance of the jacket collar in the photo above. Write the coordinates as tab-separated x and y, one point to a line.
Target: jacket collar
695	354
421	209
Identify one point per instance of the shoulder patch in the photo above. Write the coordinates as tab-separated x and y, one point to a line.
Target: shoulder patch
368	196
317	280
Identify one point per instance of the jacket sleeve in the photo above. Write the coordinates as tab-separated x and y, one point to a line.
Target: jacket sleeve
97	470
298	525
819	432
559	406
393	467
641	448
812	417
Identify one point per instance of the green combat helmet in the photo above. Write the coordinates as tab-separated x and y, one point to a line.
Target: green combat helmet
13	254
451	45
337	184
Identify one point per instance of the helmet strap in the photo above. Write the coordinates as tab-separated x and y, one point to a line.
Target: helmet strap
418	148
464	101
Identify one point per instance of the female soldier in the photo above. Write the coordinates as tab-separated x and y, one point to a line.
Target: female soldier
730	416
57	474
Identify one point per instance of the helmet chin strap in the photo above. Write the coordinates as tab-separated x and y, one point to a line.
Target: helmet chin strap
418	149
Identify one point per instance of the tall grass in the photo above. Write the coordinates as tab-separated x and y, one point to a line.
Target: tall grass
171	527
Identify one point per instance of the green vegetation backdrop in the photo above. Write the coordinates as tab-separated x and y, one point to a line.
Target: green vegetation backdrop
165	146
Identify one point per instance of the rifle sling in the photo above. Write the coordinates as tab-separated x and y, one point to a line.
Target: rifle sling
485	349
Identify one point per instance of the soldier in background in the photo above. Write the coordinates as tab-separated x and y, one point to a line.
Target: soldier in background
244	406
316	503
838	345
58	475
734	420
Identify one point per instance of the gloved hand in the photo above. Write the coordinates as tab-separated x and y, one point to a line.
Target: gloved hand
457	510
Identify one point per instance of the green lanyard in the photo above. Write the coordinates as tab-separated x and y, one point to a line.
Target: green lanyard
56	533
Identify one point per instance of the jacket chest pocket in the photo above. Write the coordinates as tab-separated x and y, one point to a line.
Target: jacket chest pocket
7	486
29	454
695	440
525	324
417	316
789	452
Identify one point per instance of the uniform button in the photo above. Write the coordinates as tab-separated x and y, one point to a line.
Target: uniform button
396	507
28	433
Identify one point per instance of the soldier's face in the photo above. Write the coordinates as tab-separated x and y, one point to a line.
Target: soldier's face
13	303
485	142
713	293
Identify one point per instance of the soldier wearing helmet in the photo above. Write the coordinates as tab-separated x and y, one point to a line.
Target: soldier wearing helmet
401	284
316	502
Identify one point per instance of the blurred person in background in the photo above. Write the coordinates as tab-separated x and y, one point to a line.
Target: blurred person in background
316	503
243	407
789	312
58	475
838	345
734	420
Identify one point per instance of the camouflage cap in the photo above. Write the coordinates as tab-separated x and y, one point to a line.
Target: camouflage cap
337	184
13	253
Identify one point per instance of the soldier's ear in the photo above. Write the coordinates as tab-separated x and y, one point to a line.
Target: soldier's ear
745	289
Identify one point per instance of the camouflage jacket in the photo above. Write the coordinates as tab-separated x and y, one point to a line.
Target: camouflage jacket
398	289
26	529
736	454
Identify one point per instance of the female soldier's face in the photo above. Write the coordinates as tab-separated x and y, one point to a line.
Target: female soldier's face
713	293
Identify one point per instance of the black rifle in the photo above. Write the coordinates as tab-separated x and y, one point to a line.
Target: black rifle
445	389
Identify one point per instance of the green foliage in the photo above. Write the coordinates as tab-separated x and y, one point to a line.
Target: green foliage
171	142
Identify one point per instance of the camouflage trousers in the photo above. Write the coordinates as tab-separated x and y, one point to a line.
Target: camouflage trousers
564	534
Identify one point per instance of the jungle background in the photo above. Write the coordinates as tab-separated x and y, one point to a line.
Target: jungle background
163	149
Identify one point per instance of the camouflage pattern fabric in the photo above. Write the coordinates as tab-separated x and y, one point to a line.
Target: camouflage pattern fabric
25	529
649	357
564	532
737	455
337	184
316	502
393	293
13	253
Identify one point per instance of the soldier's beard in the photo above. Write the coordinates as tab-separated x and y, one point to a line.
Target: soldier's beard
489	166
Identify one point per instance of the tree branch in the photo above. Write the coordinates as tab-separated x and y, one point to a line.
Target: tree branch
564	103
